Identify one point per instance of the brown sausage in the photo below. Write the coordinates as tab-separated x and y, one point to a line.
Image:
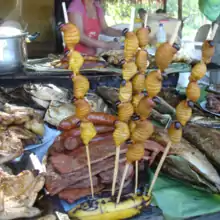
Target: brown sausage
69	123
73	142
97	118
100	129
100	118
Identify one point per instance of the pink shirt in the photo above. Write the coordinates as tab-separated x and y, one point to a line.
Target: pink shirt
77	6
91	26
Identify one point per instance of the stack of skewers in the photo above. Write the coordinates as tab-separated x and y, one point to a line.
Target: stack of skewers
140	128
184	108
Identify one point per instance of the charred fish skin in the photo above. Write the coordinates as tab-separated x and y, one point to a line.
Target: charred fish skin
190	153
178	168
164	119
206	140
164	108
47	92
205	122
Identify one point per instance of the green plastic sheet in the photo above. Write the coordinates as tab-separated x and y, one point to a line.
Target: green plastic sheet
179	201
210	8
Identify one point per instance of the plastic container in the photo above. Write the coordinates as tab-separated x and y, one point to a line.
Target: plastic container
161	35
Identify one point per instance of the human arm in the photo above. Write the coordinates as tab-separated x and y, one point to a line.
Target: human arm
109	31
76	19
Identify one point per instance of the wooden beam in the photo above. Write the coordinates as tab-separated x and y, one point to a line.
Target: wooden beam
180	15
165	6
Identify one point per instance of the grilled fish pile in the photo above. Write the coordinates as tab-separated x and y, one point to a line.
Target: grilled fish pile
188	163
18	194
20	126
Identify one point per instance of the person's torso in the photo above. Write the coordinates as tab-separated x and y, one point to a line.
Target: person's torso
92	29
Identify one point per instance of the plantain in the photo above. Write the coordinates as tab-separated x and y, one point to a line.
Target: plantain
107	209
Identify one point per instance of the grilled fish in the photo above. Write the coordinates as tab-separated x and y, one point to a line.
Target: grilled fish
206	140
48	92
195	158
179	168
205	122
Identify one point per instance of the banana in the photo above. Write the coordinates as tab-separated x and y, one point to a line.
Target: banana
107	209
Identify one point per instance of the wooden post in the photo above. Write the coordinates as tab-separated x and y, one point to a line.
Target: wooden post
180	16
165	6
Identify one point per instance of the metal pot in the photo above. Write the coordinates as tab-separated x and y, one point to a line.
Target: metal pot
13	52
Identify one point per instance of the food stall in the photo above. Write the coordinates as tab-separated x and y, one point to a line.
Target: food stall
73	137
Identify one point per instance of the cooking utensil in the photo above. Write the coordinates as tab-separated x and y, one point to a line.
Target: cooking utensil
13	51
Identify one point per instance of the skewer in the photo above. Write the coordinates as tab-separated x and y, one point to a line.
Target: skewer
117	154
136	176
125	131
134	153
166	151
131	27
214	30
120	135
145	20
66	20
174	35
90	170
65	13
122	182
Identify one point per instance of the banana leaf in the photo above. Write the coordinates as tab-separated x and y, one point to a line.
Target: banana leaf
178	201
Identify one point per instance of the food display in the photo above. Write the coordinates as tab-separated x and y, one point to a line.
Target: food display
213	103
184	108
81	87
125	107
91	148
140	128
20	126
18	194
187	162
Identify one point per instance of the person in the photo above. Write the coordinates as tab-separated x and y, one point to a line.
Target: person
142	13
160	11
88	16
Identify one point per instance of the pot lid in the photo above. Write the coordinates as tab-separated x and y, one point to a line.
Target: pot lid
9	31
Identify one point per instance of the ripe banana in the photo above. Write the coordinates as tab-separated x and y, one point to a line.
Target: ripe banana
107	209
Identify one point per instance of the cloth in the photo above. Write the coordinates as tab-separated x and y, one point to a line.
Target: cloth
92	27
210	8
40	150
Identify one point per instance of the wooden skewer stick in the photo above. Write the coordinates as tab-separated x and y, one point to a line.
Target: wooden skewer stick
174	35
214	30
166	151
65	12
131	27
65	19
90	170
136	177
122	182
145	20
115	175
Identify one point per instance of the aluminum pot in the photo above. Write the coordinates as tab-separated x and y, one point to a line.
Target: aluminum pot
13	51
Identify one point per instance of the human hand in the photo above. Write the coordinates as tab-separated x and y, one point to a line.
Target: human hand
113	45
